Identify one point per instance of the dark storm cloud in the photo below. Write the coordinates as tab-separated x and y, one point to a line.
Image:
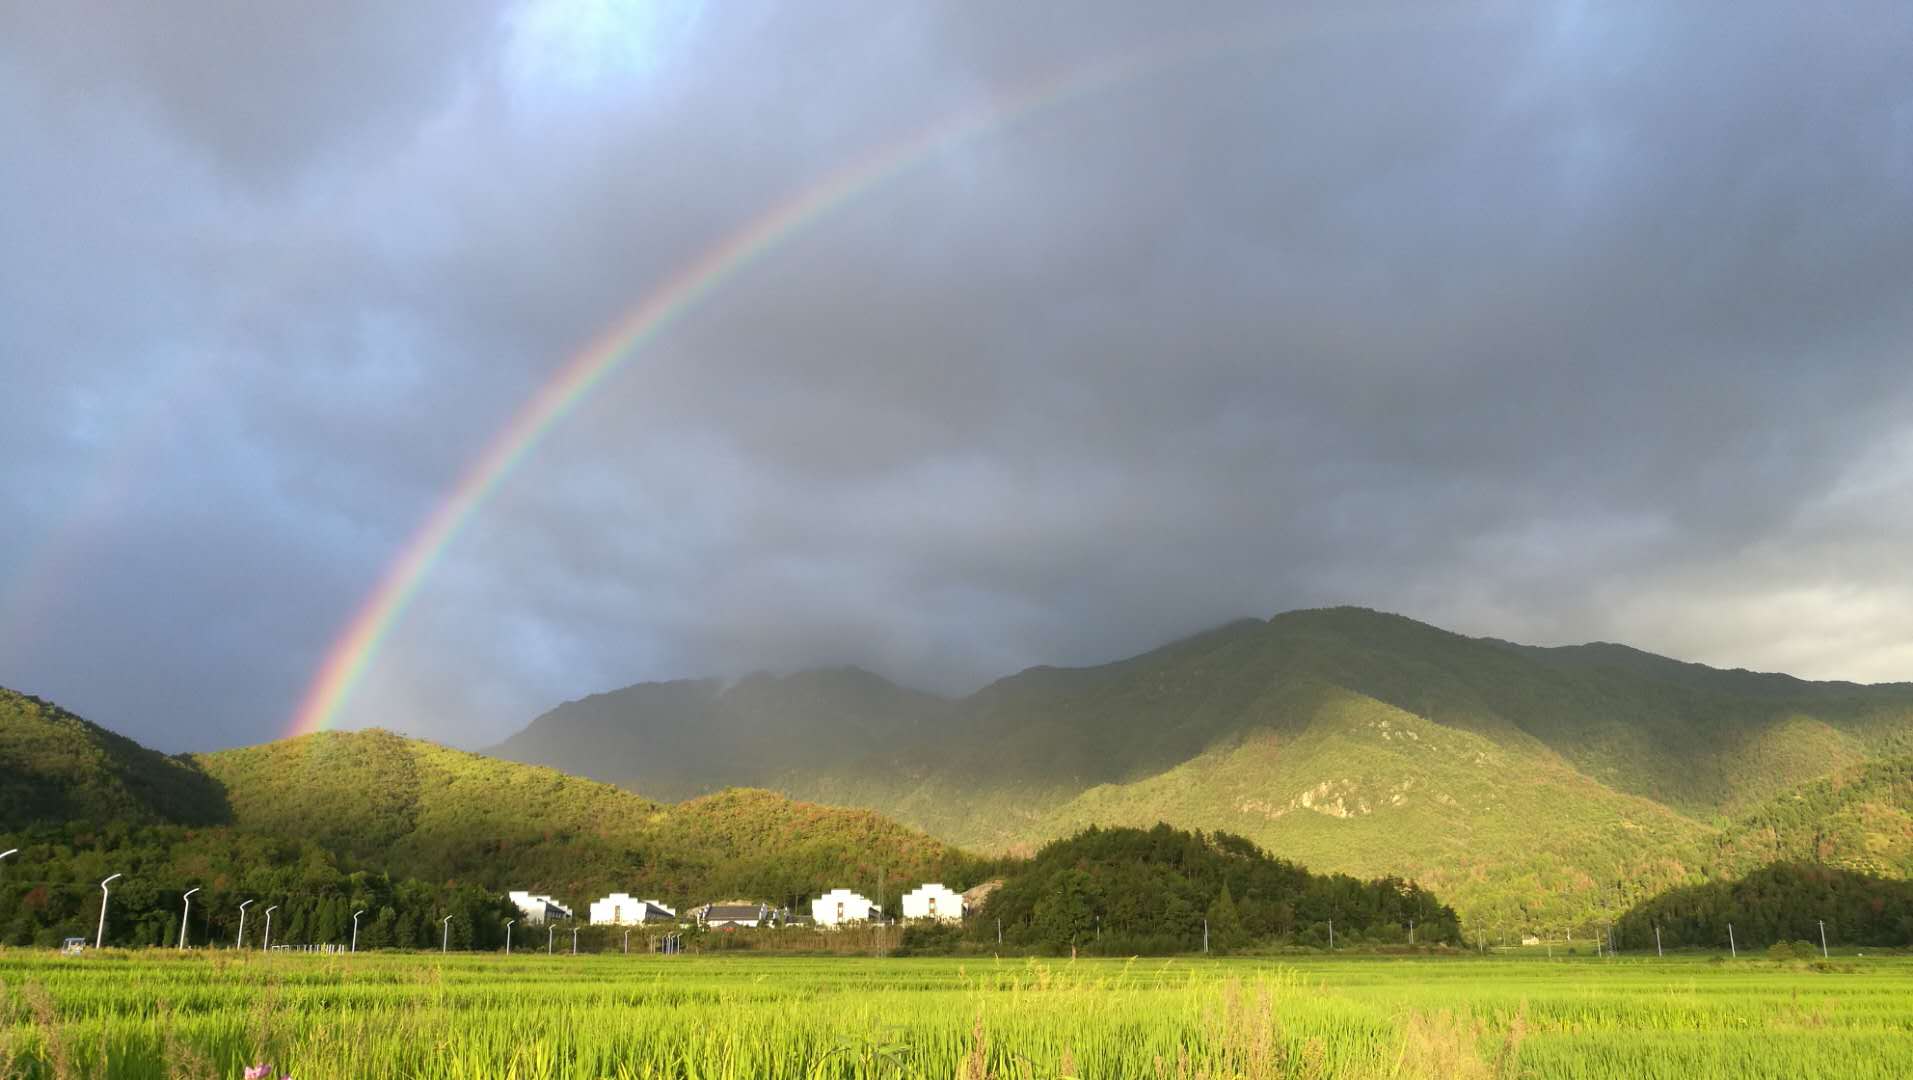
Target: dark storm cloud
1548	321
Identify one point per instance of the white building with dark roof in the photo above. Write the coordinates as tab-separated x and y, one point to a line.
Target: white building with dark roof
719	916
537	908
839	907
621	909
933	901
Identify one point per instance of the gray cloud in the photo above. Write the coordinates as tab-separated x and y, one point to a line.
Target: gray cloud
1548	322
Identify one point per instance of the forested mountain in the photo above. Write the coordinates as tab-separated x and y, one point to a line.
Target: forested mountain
330	823
58	767
1526	784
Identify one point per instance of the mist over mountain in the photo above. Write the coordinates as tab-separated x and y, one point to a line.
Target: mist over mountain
1519	780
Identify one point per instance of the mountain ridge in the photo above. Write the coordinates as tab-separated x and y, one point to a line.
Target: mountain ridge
1579	740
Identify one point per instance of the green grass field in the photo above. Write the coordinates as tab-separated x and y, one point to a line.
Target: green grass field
157	1014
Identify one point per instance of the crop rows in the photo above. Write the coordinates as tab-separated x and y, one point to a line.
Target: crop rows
153	1014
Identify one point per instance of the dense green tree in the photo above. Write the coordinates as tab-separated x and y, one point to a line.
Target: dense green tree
1151	890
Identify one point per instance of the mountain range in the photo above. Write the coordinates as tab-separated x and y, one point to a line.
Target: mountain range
1526	784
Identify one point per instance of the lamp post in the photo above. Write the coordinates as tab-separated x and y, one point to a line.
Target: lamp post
240	941
188	898
574	939
99	936
551	932
508	925
266	945
355	929
445	944
627	943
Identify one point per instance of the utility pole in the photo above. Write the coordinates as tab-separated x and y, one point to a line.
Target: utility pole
267	944
1205	935
1657	942
99	937
1823	938
999	930
1331	935
188	899
355	929
240	941
508	925
1731	947
445	943
1411	930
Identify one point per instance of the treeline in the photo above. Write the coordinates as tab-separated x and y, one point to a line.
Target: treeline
1779	903
1127	891
50	890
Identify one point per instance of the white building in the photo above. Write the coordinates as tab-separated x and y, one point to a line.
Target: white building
840	906
719	916
538	908
619	909
933	901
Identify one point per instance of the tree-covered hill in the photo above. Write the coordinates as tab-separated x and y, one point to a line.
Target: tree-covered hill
1126	891
325	821
55	766
385	802
1859	818
1536	786
1781	903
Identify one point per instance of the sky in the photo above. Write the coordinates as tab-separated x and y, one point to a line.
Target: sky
1554	322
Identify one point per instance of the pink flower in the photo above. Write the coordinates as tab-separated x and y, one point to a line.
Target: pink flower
258	1072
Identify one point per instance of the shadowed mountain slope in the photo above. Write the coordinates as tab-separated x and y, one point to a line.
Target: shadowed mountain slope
1521	781
55	766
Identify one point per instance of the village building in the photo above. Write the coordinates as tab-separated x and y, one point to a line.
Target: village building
934	902
621	909
722	916
839	907
538	909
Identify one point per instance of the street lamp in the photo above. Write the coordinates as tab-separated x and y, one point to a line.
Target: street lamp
550	933
627	943
266	945
508	925
240	941
188	898
446	944
355	929
574	939
99	937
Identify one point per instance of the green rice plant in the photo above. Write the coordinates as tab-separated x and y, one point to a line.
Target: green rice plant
162	1015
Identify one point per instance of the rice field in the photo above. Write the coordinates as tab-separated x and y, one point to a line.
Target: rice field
160	1014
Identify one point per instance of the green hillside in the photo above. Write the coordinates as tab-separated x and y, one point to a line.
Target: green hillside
58	767
374	802
1529	784
391	803
1859	818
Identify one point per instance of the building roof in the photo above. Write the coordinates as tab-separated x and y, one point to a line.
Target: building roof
735	912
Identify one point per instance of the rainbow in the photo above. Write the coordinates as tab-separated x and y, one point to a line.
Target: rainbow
346	661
